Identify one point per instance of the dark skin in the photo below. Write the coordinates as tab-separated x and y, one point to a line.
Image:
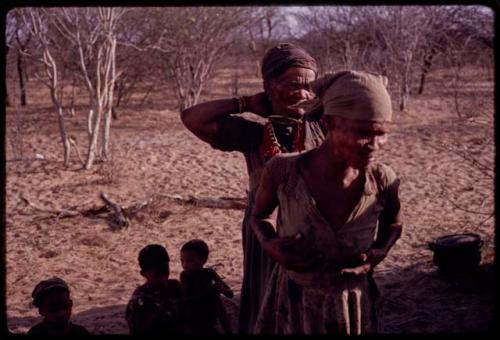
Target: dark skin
334	175
280	97
56	310
157	277
192	262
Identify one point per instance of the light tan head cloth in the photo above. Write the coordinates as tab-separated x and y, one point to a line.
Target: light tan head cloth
355	95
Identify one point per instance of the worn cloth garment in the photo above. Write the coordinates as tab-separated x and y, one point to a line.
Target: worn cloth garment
201	301
283	56
43	329
155	311
355	95
291	132
235	133
321	300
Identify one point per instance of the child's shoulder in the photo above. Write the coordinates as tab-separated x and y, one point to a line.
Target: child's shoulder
78	330
39	328
174	286
209	271
173	283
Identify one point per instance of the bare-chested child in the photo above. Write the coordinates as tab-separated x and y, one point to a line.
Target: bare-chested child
54	303
154	307
201	289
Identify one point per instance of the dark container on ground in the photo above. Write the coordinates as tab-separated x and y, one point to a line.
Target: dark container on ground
457	254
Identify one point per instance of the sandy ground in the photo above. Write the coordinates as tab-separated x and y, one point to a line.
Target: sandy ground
154	153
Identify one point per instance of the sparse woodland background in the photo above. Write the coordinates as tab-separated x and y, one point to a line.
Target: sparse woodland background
108	54
93	97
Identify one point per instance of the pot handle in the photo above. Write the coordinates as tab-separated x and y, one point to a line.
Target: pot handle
432	246
481	242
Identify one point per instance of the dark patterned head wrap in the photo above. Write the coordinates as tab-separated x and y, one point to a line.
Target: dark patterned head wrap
283	56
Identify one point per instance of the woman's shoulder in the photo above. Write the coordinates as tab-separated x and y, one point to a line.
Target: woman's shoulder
384	175
284	158
281	166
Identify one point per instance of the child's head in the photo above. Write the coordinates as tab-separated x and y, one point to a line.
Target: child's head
53	301
154	263
194	255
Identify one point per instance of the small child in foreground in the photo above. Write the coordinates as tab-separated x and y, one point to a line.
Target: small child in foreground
52	297
154	306
201	289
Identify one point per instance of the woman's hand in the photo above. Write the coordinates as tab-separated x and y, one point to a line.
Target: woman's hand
293	252
259	104
369	260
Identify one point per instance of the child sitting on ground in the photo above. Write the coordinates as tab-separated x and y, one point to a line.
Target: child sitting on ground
53	301
154	306
201	289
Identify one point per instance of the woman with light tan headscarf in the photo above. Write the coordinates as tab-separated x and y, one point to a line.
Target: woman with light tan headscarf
343	207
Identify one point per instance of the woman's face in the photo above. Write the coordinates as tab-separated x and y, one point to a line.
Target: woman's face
289	89
358	142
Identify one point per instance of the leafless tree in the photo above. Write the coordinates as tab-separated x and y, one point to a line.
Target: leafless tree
91	32
37	21
81	40
265	27
401	41
18	39
188	42
335	36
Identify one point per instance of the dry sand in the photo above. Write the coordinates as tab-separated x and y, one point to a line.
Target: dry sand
154	153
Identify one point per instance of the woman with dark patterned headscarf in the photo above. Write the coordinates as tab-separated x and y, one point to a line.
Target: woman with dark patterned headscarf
287	71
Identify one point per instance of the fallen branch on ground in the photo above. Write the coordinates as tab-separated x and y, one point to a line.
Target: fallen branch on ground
118	217
59	212
208	202
121	216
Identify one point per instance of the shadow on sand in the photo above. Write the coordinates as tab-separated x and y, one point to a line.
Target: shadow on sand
421	299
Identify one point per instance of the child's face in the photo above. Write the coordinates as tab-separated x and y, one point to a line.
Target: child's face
191	261
158	275
56	308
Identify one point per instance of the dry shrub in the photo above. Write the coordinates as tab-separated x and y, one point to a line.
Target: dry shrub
113	169
15	133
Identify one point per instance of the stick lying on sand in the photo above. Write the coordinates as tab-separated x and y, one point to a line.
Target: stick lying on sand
121	216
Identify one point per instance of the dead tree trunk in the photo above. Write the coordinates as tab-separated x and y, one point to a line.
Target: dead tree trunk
51	79
21	74
71	110
20	65
64	135
426	67
94	123
109	87
405	83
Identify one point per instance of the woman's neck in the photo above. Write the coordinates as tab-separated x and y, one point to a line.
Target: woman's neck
330	166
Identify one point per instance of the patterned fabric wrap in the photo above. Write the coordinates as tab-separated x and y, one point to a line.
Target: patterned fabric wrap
270	146
283	56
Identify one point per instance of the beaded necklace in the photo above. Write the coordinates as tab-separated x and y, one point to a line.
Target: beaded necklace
270	145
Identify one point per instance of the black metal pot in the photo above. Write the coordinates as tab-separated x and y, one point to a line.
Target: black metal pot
457	254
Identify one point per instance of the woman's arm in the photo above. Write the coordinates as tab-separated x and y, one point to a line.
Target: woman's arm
390	228
202	119
292	252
